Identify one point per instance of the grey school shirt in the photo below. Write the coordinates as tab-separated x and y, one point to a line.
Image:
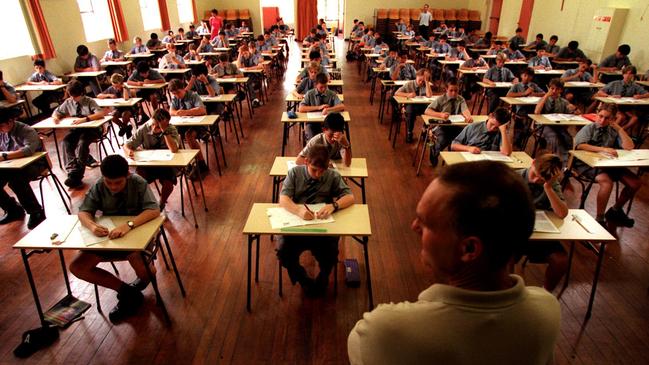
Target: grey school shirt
612	61
91	61
539	61
480	62
406	73
229	69
135	198
301	188
539	197
619	87
21	138
558	105
444	104
552	49
594	135
305	85
502	74
585	77
84	107
153	75
320	139
314	98
145	137
566	52
305	71
412	87
521	87
476	134
201	89
39	77
191	100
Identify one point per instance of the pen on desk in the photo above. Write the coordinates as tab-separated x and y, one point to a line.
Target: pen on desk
307	209
578	220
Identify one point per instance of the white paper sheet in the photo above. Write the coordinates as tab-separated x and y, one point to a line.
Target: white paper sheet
503	84
580	83
486	155
89	238
290	164
281	218
633	155
529	99
193	119
543	224
153	155
456	119
314	115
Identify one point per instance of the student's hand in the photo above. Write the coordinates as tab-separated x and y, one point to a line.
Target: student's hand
99	230
610	151
503	128
468	119
411	95
529	91
474	150
615	96
119	231
141	83
325	212
79	121
445	115
637	96
131	154
325	110
306	214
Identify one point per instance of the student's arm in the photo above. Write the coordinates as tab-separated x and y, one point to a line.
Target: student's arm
300	210
310	108
170	141
559	207
402	93
98	113
333	109
140	219
539	107
464	148
88	221
433	113
505	141
9	96
466	113
627	142
429	89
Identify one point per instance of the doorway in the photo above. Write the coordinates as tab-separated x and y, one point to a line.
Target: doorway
333	12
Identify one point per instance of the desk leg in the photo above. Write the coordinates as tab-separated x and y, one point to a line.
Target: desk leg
191	199
173	261
586	191
598	268
566	280
250	239
154	283
372	89
349	136
30	277
56	145
65	272
363	189
275	184
423	152
200	182
257	262
284	137
367	272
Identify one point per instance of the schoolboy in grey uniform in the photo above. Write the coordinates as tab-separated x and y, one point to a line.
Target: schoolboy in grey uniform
86	62
41	76
420	86
319	99
486	136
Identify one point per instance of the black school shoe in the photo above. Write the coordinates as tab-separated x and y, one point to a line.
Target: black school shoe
617	216
35	219
130	299
73	182
13	214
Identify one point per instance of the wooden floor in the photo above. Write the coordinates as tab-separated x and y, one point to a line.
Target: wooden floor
211	324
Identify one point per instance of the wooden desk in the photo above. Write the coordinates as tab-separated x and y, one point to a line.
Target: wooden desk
623	101
521	160
302	118
39	241
353	221
293	101
154	86
583	84
533	100
206	121
231	107
139	55
548	72
115	63
181	160
540	121
356	170
117	102
26	87
179	73
239	82
480	71
397	120
386	86
87	74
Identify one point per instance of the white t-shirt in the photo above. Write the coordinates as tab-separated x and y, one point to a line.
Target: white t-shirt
425	18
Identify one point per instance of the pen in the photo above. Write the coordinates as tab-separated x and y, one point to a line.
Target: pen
307	209
578	220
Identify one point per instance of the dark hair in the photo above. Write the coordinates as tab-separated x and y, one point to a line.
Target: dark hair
498	43
221	32
483	195
39	62
528	71
260	38
555	37
474	55
452	81
518	30
175	85
573	45
82	50
539	47
540	35
215	11
444	37
548	165
111	41
75	88
142	67
625	49
180	30
629	68
321	78
313	55
9	114
513	46
199	70
114	166
586	61
488	35
161	114
334	122
154	36
318	156
611	108
223	57
501	115
556	82
461	43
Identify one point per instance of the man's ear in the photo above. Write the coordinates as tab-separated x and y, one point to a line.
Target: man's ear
471	248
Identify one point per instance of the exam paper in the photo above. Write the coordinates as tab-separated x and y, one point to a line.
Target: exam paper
503	84
314	115
282	218
456	119
633	155
530	99
192	119
543	224
153	155
89	238
486	155
581	83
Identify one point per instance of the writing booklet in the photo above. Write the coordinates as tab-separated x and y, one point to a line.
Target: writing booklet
153	155
314	115
530	99
456	118
282	218
89	238
486	155
543	224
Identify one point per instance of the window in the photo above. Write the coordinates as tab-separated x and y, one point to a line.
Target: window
185	11
150	14
96	19
19	43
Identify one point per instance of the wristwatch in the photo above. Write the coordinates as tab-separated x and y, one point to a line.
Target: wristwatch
87	119
5	156
130	224
336	206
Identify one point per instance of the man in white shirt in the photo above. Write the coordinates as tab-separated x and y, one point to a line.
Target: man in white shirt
472	220
425	18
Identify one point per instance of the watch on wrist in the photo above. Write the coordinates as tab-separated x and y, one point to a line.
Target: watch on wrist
131	224
336	206
5	156
87	119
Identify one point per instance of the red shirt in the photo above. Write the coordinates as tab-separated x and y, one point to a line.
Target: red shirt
216	22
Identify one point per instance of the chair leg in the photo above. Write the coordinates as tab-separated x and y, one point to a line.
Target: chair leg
97	299
280	276
162	253
114	268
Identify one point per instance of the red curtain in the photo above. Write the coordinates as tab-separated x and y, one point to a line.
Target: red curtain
38	20
164	15
307	17
117	18
195	12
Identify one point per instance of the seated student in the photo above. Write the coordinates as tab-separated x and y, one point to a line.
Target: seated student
116	192
153	42
476	312
320	30
156	134
458	52
261	44
542	178
203	29
230	30
84	110
616	61
420	86
281	26
312	37
171	60
442	28
313	57
312	183
144	75
307	83
138	47
541	60
227	70
243	27
486	136
473	37
497	73
552	48
570	53
270	40
169	38
192	54
605	136
85	62
319	99
401	26
41	76
552	103
443	106
113	54
333	138
247	62
524	88
180	35
581	96
496	48
7	91
410	32
368	39
485	42
19	140
355	26
221	41
205	46
513	53
538	41
403	70
255	53
517	39
188	103
626	118
360	30
441	46
191	33
205	85
391	60
460	33
470	81
122	115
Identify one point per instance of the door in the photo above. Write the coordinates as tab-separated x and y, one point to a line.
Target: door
526	16
494	18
